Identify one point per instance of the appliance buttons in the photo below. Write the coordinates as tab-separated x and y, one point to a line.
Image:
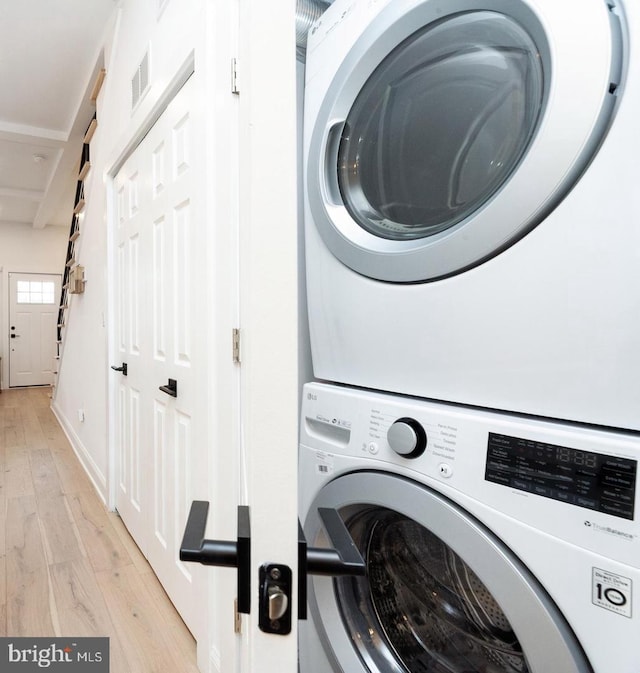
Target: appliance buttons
373	448
445	470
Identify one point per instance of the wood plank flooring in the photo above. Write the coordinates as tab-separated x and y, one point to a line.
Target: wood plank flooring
68	567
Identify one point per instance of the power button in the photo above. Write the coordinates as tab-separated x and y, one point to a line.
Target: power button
445	470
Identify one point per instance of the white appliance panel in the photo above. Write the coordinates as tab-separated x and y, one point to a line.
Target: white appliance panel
549	324
581	546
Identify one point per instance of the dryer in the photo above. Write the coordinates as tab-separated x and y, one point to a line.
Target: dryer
492	542
471	203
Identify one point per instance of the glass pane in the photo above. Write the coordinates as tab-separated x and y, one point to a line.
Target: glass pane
48	292
440	125
35	292
421	607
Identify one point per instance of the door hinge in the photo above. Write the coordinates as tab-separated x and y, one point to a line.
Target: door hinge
236	345
237	619
234	76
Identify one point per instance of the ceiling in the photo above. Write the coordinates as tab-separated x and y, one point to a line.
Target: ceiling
50	53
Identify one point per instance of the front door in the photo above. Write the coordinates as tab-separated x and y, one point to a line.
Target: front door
33	312
160	420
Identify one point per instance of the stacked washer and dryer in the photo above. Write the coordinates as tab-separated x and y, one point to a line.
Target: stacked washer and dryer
472	225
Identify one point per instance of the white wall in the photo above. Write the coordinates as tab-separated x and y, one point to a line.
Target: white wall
171	36
24	249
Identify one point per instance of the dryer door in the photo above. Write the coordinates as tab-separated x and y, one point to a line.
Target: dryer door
436	148
441	594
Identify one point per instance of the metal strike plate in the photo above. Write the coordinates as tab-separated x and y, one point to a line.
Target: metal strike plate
275	599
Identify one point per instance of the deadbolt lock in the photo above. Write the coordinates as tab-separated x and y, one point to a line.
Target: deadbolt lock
275	599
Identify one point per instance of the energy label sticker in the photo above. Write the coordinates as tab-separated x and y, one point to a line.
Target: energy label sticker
611	592
324	462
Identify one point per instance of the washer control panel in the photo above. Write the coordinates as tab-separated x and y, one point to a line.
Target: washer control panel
576	483
584	478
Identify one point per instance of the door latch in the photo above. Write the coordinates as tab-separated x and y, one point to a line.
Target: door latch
122	369
275	599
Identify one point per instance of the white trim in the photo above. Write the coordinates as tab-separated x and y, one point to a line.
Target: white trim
182	75
214	660
94	473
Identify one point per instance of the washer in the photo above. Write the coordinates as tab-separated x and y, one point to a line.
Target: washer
471	203
492	542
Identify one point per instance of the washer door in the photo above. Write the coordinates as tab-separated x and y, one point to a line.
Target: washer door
436	148
441	594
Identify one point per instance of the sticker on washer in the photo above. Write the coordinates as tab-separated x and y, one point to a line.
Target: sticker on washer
324	462
611	592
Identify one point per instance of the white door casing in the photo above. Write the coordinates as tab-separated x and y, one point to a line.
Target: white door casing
160	438
33	313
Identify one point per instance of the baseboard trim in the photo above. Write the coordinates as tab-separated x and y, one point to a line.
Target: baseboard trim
94	473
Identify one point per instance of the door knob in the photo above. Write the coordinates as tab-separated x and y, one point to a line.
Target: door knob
343	559
122	369
171	388
196	549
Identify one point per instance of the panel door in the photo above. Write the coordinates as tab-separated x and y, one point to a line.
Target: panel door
161	431
33	314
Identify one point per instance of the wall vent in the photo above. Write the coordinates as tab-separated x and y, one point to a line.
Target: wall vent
140	82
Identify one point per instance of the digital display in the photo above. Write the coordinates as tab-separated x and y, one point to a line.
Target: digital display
595	481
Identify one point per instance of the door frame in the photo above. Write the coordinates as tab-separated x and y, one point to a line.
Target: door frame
5	371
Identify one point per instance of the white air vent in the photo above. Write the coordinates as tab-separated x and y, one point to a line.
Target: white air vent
140	81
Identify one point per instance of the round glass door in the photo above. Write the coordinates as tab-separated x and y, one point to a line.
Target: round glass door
430	610
444	135
440	125
441	594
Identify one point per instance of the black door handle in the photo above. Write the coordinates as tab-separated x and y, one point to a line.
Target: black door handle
343	559
171	388
195	549
122	369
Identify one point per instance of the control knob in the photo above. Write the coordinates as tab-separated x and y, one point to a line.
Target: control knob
407	438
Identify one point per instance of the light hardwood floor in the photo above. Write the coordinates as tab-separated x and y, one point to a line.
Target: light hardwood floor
68	567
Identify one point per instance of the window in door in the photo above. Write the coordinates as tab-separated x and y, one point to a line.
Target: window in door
35	292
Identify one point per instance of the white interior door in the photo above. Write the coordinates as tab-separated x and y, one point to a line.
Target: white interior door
160	420
251	194
33	313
